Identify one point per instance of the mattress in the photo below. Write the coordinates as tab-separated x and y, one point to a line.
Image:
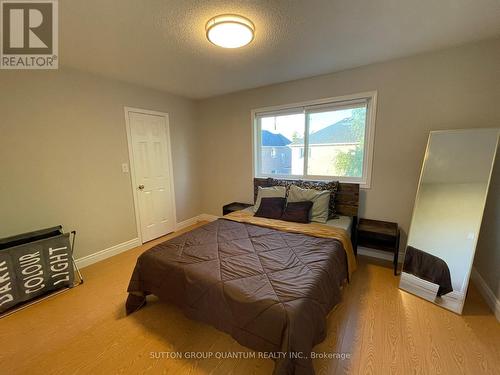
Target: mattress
343	222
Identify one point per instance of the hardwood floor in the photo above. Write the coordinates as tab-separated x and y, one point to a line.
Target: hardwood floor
384	330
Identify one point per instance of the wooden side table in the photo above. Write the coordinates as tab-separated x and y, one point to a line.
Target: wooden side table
235	206
380	235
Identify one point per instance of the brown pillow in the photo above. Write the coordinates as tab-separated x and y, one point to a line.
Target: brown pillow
333	186
271	208
299	212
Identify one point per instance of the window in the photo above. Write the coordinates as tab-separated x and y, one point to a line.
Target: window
329	139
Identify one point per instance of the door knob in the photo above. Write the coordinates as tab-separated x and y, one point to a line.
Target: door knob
141	187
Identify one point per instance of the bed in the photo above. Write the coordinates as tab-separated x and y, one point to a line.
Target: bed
268	283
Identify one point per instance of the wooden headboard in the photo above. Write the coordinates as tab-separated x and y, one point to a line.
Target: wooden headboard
346	198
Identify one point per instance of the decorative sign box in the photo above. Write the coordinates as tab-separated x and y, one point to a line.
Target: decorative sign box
33	264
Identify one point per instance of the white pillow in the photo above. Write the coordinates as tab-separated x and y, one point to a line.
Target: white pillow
269	192
320	199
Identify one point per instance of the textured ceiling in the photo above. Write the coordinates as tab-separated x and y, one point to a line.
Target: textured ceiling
162	44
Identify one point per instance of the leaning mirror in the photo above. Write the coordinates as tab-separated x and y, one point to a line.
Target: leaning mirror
447	215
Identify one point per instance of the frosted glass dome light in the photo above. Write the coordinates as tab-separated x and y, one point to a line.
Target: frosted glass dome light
230	31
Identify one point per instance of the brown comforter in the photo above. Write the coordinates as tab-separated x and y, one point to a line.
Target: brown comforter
428	267
270	289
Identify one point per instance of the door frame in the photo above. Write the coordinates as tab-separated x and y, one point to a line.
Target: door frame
128	110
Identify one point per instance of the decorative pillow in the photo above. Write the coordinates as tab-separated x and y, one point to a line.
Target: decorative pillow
269	192
299	212
272	208
320	199
332	186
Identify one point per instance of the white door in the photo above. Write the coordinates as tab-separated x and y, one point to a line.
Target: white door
152	176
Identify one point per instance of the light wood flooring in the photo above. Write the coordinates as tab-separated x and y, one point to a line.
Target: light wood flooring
384	330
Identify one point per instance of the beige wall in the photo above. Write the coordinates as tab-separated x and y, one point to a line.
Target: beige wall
487	260
455	88
62	143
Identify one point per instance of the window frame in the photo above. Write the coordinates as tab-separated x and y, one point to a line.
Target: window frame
370	98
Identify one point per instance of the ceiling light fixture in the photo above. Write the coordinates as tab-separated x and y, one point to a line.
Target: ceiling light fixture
230	31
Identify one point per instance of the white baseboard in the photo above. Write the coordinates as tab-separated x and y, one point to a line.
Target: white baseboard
379	254
106	253
453	301
418	286
490	297
194	220
187	223
207	217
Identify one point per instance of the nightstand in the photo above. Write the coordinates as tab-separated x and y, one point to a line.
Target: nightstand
235	206
380	235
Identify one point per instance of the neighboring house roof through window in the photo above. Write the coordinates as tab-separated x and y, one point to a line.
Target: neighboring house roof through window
272	139
338	133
